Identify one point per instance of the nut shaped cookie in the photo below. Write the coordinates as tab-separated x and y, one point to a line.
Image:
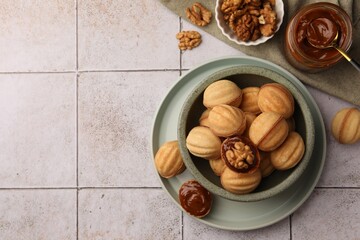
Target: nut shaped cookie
249	101
345	126
268	131
204	118
240	183
217	165
274	97
168	160
289	154
266	167
291	122
225	120
202	142
222	92
250	117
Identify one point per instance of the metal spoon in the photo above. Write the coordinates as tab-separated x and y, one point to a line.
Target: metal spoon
332	44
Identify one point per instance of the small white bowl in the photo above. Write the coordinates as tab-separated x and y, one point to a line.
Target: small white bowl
230	34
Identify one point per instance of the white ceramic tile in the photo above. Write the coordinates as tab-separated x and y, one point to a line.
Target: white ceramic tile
38	214
37	35
196	230
116	112
342	167
128	214
328	214
127	35
37	129
210	48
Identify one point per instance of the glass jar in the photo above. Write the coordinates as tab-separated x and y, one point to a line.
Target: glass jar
298	50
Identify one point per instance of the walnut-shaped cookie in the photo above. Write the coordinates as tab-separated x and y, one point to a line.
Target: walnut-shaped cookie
225	120
266	167
289	154
204	118
240	183
291	122
222	92
217	165
345	126
249	101
274	97
202	142
268	131
250	117
168	160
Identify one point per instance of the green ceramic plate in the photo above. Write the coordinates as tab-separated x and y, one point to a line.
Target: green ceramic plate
227	214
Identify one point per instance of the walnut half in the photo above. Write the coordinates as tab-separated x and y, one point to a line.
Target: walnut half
198	14
188	39
240	154
250	19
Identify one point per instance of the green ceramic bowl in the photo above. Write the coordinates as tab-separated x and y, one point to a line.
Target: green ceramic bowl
245	76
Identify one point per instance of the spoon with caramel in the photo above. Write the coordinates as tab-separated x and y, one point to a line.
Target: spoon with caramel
323	33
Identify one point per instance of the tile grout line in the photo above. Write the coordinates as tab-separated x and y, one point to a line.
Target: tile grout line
182	225
290	226
98	71
120	187
73	188
77	113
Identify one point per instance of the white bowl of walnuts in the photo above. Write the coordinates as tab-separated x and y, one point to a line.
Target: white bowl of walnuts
249	22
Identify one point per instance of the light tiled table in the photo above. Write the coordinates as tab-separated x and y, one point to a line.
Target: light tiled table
80	82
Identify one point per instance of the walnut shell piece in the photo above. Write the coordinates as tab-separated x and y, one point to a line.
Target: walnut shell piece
202	142
222	92
198	14
240	183
188	39
249	101
274	97
225	120
268	131
195	199
345	126
168	160
240	154
289	154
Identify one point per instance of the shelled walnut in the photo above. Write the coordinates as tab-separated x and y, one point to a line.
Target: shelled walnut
198	14
188	39
240	154
250	19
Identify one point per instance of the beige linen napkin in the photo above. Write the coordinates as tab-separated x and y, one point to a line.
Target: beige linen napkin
342	81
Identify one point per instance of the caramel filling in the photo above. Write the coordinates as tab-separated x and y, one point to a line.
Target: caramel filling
195	199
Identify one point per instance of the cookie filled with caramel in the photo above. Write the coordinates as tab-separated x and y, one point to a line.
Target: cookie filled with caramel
240	154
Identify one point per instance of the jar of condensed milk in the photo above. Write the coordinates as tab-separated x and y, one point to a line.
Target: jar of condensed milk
327	19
